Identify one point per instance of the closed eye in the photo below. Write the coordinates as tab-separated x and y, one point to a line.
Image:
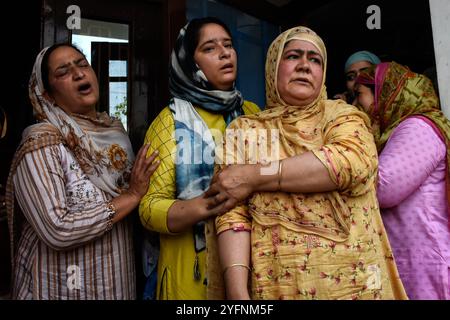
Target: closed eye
228	44
208	49
61	72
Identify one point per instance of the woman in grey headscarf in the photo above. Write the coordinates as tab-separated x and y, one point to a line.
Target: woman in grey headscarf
202	73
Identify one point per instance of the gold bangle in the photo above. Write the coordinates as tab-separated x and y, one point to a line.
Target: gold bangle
111	209
280	167
236	265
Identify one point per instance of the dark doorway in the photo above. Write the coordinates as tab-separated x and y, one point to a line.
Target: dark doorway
110	62
20	35
405	35
143	52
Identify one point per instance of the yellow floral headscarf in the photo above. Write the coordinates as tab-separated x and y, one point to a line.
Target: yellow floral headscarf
399	94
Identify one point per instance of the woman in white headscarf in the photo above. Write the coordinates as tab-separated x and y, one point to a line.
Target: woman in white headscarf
75	183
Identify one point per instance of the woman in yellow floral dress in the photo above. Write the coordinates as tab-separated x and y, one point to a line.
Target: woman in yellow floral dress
310	206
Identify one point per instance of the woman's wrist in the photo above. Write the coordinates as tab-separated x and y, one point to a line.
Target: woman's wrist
200	205
237	285
265	178
253	176
131	197
124	204
241	294
134	198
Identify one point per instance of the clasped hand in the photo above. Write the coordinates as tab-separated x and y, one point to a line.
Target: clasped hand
229	187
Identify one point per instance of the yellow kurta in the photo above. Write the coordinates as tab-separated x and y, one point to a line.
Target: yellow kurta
177	253
329	245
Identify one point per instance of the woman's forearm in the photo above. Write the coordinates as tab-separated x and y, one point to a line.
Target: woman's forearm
299	174
303	173
234	251
124	204
183	214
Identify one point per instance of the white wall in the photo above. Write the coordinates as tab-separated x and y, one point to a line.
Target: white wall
440	19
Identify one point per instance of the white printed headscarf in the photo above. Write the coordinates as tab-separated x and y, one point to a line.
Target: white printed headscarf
101	146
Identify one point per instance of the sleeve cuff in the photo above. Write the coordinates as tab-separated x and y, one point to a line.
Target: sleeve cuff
233	226
159	212
324	156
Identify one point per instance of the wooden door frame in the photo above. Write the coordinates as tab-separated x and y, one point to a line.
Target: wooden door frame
148	47
103	53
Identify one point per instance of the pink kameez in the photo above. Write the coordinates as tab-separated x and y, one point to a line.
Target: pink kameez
411	192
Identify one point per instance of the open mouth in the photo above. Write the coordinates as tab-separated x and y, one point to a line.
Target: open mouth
85	88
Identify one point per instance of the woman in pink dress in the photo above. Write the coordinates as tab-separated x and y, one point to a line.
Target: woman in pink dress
412	137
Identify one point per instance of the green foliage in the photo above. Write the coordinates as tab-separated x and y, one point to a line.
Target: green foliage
121	109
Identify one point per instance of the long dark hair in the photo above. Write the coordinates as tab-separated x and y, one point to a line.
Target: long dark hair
192	35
